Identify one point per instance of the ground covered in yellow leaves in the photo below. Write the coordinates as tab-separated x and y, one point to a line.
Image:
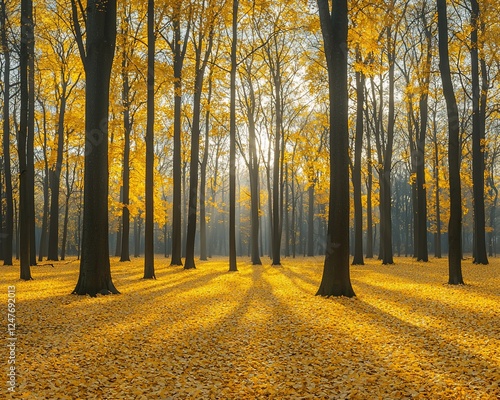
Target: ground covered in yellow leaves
258	333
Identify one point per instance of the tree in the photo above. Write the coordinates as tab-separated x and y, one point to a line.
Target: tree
9	210
454	151
202	53
421	250
232	144
356	171
336	279
23	140
248	100
123	237
97	57
64	85
478	136
178	45
149	272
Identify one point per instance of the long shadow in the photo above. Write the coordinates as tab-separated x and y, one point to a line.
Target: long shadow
429	307
251	344
447	355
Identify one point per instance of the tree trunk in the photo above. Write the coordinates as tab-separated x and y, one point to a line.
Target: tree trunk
27	36
454	151
149	269
95	272
179	50
118	242
253	163
9	202
387	257
69	190
55	180
232	142
30	151
203	178
437	235
276	230
369	186
125	192
286	219
422	251
356	172
334	26
200	66
310	218
478	128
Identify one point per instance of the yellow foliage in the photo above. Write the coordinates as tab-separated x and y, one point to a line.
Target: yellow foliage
259	333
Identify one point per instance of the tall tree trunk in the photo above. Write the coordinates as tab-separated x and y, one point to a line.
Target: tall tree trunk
203	174
95	272
149	252
179	50
478	123
356	173
387	257
253	163
9	202
437	235
232	142
43	248
276	230
55	180
422	252
334	26
69	190
125	192
454	151
30	151
200	66
27	36
369	186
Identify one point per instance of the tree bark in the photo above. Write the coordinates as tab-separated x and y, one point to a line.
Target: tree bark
232	142
201	61
149	269
478	123
55	180
178	47
9	202
27	36
203	176
356	172
437	235
30	150
422	251
334	26
369	186
454	151
95	272
125	192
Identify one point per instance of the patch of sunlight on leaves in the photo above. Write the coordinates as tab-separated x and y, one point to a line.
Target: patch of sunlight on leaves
259	333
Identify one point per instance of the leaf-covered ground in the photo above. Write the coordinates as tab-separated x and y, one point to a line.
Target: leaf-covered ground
258	333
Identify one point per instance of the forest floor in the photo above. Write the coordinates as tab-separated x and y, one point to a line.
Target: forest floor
257	333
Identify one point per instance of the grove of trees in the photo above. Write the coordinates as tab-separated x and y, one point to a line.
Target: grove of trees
249	128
